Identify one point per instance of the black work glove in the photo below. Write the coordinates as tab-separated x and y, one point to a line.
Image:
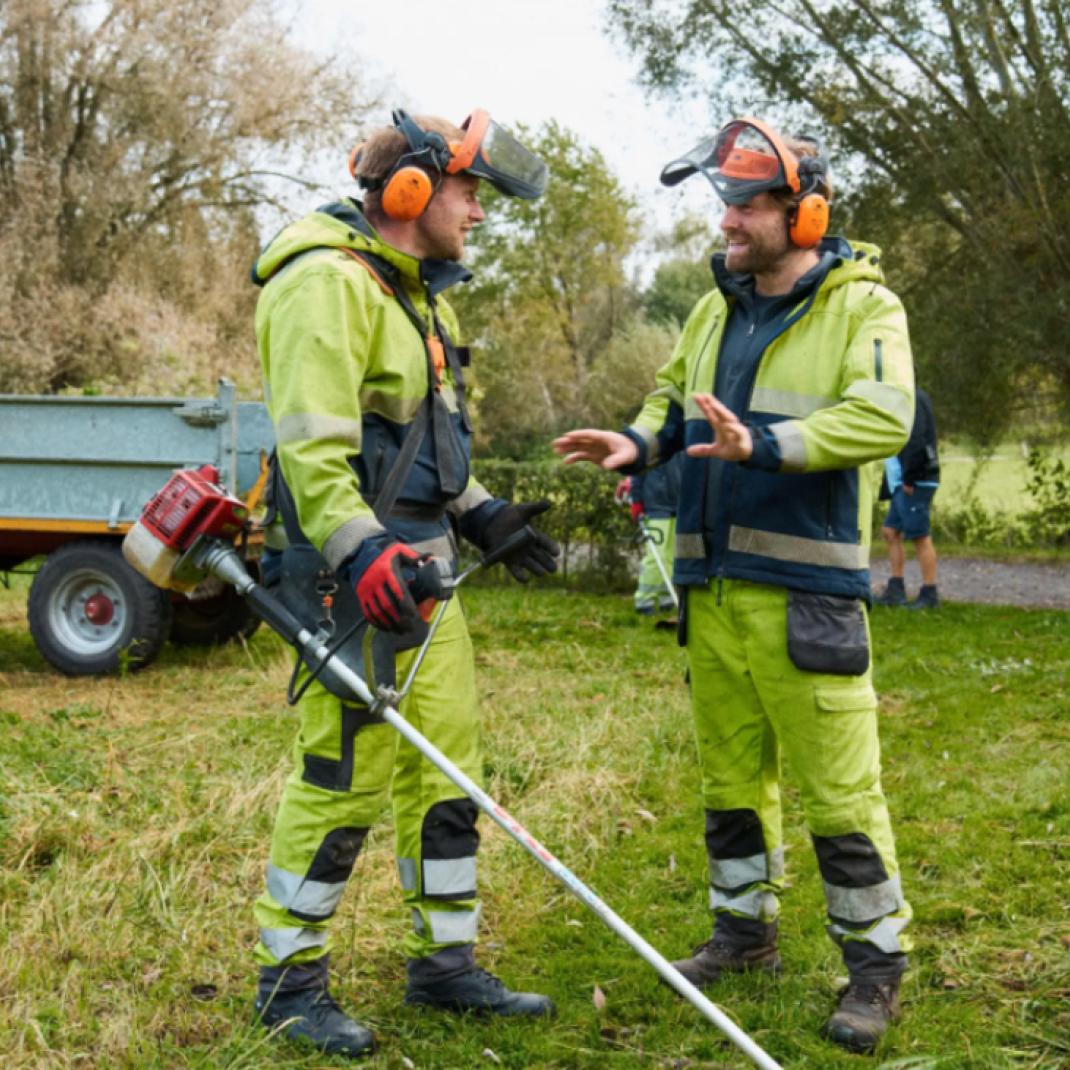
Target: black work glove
537	558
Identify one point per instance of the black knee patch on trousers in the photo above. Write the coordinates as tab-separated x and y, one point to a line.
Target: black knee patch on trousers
449	830
336	856
849	861
734	834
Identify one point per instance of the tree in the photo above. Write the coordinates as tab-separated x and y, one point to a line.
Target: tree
954	119
550	291
137	139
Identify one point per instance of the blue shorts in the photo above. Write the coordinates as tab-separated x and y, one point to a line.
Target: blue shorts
909	513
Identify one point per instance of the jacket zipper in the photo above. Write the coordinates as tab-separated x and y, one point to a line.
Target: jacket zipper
878	360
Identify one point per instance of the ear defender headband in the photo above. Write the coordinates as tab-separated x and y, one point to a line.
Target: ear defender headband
487	151
748	157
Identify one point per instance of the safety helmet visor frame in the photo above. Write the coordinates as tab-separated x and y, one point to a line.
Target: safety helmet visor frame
490	152
743	159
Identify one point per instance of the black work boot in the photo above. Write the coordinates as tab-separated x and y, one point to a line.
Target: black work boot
928	598
894	593
450	980
862	1015
294	1003
729	952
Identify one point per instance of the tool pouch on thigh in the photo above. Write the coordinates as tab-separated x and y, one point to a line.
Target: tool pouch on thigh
827	633
329	609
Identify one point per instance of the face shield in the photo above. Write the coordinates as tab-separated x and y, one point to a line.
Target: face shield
745	158
490	152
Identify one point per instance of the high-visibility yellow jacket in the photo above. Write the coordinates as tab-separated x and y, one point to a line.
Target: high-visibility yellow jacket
827	388
345	372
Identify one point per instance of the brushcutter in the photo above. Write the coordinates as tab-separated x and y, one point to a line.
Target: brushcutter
651	536
187	532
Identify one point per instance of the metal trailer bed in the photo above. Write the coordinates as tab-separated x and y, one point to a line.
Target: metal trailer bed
74	474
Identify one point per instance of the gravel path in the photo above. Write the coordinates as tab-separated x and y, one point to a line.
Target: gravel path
996	583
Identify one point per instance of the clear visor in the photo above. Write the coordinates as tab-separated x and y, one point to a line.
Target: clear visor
507	165
740	162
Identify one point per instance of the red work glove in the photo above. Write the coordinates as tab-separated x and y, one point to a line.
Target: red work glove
384	595
637	511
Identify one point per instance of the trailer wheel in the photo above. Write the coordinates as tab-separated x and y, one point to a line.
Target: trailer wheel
213	620
90	611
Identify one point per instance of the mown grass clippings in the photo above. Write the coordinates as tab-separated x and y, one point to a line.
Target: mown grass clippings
135	816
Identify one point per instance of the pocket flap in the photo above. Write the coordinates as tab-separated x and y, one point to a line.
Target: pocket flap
839	699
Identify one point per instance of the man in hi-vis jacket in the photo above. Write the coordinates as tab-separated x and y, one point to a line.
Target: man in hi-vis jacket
364	382
791	380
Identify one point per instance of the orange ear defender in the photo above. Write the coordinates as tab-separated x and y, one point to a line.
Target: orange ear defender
410	185
808	221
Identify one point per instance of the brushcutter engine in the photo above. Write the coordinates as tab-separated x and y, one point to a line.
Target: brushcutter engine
191	509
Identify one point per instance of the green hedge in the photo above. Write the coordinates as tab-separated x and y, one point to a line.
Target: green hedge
597	537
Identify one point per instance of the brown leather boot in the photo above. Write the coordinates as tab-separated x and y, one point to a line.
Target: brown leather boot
719	955
863	1013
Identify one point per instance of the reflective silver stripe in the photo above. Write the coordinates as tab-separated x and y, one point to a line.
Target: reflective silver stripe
671	392
795	548
449	876
398	410
440	546
316	427
738	872
894	400
789	438
344	540
650	440
449	926
407	874
864	904
755	904
283	943
788	403
691	409
471	499
884	935
690	546
315	898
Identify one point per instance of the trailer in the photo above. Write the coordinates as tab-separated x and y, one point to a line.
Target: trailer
74	475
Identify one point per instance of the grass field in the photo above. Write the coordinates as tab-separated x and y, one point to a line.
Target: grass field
1001	482
135	815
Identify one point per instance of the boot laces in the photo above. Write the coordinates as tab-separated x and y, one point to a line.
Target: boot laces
869	992
324	1005
496	983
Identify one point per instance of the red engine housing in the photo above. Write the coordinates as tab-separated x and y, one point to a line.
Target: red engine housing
191	504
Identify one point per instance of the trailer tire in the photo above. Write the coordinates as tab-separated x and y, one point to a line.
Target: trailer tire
91	613
214	620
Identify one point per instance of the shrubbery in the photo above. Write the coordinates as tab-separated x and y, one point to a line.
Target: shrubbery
597	537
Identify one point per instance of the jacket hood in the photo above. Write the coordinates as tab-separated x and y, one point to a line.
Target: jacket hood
841	261
342	225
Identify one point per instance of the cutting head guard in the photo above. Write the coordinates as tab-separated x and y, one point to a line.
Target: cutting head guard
482	148
747	157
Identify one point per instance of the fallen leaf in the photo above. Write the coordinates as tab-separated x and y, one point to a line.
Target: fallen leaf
488	1054
204	992
646	815
575	923
995	687
407	1063
598	998
672	863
